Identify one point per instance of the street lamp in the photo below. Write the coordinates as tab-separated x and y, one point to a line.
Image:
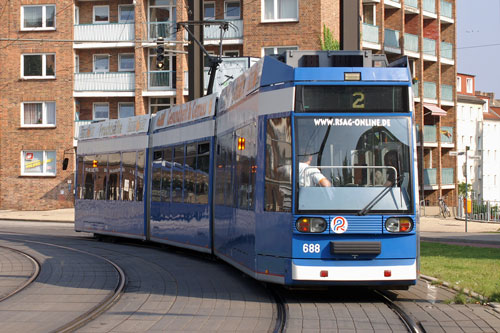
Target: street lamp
466	186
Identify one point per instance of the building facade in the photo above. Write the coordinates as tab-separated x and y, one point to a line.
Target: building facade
73	62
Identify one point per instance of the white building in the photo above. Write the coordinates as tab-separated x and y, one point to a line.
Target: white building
491	154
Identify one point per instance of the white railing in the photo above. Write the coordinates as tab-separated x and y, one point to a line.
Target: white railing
105	81
235	31
111	32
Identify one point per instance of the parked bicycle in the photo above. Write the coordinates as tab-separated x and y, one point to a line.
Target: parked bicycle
443	208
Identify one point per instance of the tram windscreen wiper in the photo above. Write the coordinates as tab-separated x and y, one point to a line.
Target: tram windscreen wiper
379	196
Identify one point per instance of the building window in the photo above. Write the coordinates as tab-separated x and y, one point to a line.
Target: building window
459	84
101	111
101	14
369	14
77	15
232	10
280	10
38	163
209	10
160	104
38	114
277	49
232	53
126	110
469	88
41	17
101	63
77	64
36	66
126	62
126	13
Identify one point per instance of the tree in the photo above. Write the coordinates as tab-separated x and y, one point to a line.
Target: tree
463	189
327	42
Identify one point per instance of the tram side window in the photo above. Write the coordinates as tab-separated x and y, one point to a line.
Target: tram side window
202	172
178	174
245	167
113	183
278	178
101	177
141	164
224	188
88	177
190	173
79	178
156	183
128	176
166	175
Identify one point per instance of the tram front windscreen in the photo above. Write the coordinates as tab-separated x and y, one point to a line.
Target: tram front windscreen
346	163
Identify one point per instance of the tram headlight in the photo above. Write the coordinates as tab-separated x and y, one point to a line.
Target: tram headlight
399	224
311	224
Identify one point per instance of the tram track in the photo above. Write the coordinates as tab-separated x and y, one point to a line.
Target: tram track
407	320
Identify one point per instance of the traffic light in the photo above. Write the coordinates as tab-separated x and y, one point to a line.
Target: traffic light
160	53
241	143
94	164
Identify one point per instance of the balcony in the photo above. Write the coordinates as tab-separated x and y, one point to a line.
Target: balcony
446	12
430	137
447	53
104	35
411	45
430	178
391	41
430	92
447	137
392	3
447	178
415	91
121	84
165	29
411	6
430	49
429	9
206	79
160	83
234	35
447	95
370	36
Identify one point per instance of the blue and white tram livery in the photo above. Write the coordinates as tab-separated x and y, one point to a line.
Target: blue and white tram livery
302	173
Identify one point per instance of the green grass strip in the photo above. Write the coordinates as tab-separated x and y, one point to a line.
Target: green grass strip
468	267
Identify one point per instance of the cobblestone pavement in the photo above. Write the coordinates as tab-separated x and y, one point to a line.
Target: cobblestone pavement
15	271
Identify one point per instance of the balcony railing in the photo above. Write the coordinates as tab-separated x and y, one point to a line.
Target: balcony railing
370	33
446	9
105	81
415	90
429	6
446	134
430	177
235	31
206	79
447	176
120	32
446	92
166	29
447	50
411	3
430	134
161	80
391	38
430	46
430	90
411	42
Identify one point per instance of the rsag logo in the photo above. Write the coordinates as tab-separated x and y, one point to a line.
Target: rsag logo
339	225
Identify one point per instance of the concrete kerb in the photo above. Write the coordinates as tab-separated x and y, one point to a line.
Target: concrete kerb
59	215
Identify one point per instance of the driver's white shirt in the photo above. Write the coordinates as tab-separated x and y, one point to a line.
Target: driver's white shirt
309	176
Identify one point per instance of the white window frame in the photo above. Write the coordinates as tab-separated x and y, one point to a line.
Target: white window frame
44	18
226	16
77	63
44	115
120	14
93	110
44	172
275	19
263	51
459	84
120	69
209	3
151	104
94	63
44	75
125	103
93	14
77	15
469	84
232	51
373	10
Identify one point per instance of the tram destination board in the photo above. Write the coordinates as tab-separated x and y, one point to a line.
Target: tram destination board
352	98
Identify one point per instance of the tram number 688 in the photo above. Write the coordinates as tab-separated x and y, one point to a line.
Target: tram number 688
311	248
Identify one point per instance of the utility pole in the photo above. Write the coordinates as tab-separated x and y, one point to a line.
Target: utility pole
466	187
350	30
195	53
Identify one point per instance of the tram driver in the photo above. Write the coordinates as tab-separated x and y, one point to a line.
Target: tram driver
391	160
311	176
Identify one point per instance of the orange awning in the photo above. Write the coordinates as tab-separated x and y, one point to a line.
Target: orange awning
435	110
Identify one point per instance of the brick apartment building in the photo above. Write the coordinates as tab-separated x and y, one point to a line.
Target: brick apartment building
66	63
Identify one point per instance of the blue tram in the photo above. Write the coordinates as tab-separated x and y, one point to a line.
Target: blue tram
302	172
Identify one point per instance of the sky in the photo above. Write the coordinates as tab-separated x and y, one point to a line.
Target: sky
478	42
